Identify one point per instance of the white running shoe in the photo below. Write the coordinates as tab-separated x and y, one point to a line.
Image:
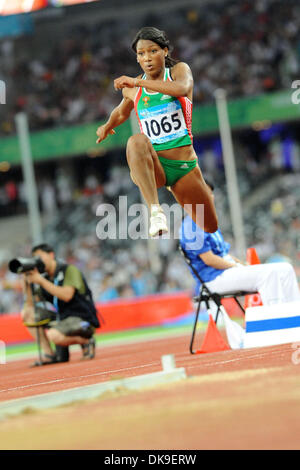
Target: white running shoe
158	224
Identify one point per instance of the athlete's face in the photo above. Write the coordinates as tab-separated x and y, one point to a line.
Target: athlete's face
150	56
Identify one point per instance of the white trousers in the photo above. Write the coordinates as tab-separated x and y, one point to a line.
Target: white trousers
276	282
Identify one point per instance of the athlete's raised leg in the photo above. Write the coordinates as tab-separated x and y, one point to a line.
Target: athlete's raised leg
146	170
147	173
192	193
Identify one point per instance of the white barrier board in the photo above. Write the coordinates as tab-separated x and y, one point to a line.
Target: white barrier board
270	325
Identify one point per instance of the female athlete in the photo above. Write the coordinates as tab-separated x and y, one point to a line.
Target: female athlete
163	154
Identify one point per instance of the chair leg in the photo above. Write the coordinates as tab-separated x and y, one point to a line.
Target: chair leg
217	314
195	326
38	340
239	303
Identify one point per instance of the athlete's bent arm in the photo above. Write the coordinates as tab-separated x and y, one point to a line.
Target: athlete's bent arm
119	115
181	85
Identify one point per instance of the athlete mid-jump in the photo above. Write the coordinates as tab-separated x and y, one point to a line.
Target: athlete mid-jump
163	154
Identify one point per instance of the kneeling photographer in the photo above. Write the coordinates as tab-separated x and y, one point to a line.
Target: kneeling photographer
73	319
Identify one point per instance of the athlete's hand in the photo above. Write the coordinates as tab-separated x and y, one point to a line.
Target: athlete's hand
102	133
124	82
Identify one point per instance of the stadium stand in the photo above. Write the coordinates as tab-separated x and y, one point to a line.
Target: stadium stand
69	81
246	47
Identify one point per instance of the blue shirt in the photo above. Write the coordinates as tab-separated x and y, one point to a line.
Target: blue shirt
196	241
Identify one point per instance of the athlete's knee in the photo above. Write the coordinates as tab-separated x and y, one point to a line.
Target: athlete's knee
138	141
137	147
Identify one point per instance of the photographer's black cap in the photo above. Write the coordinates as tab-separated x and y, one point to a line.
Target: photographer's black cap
43	247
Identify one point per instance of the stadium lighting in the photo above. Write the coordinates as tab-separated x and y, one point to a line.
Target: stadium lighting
230	172
13	7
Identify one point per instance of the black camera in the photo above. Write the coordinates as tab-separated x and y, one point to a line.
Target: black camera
22	265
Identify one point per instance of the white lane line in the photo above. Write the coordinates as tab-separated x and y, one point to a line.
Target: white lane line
236	359
22	387
188	366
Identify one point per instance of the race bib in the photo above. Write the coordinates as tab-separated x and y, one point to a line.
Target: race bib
164	122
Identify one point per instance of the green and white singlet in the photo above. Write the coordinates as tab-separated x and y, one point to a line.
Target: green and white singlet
166	120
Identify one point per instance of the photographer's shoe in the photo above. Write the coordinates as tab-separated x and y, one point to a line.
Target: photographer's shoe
48	359
62	353
89	349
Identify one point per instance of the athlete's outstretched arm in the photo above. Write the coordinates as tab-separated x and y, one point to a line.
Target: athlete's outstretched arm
119	115
181	85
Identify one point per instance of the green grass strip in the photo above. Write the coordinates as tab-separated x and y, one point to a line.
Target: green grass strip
112	337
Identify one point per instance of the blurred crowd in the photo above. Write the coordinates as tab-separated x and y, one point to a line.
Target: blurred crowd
246	47
124	274
259	155
71	191
115	269
126	268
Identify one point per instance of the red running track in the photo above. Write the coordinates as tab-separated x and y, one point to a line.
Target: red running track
19	380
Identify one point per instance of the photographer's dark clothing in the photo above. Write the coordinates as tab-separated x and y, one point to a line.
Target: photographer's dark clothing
81	305
74	326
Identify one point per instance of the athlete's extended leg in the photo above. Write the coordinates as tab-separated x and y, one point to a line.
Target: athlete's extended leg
147	173
146	170
193	195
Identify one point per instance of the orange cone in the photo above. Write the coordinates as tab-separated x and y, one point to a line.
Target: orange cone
253	300
252	256
213	341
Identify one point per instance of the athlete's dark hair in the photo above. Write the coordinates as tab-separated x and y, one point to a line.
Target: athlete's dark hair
43	247
159	37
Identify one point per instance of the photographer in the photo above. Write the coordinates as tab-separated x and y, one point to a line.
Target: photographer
74	318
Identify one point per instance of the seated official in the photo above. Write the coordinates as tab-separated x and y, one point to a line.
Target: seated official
223	273
73	319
